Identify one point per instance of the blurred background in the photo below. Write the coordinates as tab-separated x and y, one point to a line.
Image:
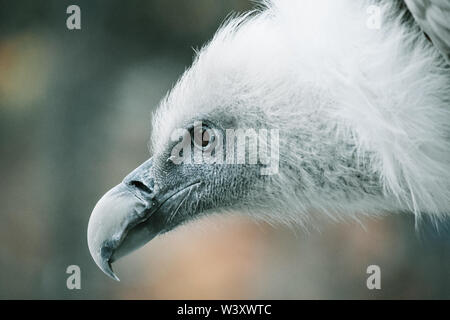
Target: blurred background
75	111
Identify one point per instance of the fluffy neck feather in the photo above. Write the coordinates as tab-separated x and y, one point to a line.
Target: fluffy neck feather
364	113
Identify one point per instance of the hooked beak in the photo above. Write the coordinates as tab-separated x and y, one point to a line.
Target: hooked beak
121	210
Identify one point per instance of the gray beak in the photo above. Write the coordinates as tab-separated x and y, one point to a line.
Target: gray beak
123	208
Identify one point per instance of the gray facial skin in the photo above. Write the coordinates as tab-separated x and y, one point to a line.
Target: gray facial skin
158	196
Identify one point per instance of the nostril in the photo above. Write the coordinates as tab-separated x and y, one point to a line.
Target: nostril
139	185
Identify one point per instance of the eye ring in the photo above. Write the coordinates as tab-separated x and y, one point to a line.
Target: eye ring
202	137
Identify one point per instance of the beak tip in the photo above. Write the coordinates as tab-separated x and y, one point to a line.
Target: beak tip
111	274
101	250
119	208
101	255
105	266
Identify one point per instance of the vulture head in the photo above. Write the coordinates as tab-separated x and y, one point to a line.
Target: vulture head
290	114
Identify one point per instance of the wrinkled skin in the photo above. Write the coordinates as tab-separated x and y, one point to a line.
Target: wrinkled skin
160	195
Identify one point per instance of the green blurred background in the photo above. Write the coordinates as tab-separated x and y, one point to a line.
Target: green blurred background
75	111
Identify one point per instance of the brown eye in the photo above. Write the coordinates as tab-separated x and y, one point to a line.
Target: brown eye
202	137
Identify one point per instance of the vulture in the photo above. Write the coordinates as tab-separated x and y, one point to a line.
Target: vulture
335	109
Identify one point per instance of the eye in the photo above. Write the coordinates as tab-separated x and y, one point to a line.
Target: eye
202	137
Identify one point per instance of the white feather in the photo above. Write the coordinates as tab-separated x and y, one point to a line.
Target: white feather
339	91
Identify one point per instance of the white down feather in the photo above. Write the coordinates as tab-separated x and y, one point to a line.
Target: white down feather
314	69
